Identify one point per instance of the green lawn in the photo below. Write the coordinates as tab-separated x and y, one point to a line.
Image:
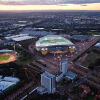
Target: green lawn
4	57
22	62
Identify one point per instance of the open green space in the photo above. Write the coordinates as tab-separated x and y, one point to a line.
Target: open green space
91	58
4	57
53	41
93	33
24	58
22	62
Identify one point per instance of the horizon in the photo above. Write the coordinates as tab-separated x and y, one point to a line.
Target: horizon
47	5
13	11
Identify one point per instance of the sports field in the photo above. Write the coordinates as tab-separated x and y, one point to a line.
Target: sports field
6	58
53	41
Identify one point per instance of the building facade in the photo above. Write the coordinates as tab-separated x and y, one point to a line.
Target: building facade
64	65
49	82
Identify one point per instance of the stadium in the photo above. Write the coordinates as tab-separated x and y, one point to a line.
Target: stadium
54	44
7	56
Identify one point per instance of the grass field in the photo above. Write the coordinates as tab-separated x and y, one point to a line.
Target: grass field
53	41
4	57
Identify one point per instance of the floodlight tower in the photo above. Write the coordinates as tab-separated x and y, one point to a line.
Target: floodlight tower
14	47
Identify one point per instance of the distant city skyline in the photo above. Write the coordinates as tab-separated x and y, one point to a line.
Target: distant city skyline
49	4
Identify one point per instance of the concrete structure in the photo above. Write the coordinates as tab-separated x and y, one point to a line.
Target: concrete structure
54	44
70	75
41	90
59	77
64	66
48	81
7	82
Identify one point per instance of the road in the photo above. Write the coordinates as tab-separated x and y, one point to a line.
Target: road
85	48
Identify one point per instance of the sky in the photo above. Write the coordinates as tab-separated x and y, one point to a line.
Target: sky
49	4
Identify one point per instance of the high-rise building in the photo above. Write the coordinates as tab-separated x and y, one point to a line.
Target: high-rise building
64	65
48	81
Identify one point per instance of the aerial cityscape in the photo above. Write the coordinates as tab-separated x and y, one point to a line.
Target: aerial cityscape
49	50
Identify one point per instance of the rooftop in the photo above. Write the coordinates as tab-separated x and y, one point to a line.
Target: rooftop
48	74
80	37
22	38
19	37
7	82
70	75
5	50
51	40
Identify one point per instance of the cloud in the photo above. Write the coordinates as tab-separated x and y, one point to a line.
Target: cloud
46	2
81	1
84	5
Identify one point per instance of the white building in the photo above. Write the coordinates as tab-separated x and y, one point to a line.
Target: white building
20	37
7	82
64	65
48	81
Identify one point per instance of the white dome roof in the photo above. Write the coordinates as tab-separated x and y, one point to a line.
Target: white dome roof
53	40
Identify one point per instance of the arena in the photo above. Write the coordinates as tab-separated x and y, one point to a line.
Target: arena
7	56
54	44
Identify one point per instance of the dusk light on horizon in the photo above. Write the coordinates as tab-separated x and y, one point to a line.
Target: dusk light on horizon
49	49
49	4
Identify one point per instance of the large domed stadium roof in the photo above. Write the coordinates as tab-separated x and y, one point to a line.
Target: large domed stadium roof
53	40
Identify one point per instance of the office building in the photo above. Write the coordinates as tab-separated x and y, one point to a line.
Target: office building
48	81
64	66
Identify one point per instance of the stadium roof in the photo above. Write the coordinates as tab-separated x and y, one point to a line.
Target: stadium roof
19	37
22	38
5	50
52	40
14	36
